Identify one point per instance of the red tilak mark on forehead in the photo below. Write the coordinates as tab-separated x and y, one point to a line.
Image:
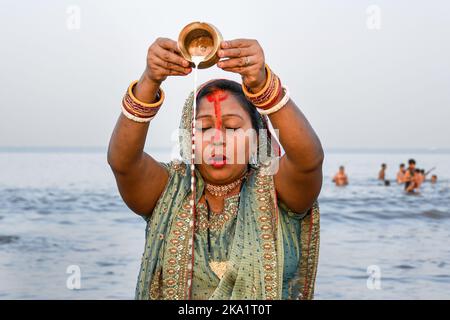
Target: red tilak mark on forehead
216	97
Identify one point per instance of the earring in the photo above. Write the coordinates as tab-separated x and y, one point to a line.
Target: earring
253	158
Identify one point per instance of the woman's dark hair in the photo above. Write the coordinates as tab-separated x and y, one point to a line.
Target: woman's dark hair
236	90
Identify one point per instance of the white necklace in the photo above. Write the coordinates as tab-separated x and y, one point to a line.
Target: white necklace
223	190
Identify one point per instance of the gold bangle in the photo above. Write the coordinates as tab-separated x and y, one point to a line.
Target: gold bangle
147	105
137	109
261	92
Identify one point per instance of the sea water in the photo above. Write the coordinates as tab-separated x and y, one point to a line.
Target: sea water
60	209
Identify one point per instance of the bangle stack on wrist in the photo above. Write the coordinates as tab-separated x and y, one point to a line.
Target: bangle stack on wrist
139	111
266	99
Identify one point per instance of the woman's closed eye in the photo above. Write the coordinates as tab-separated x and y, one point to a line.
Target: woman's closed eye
209	127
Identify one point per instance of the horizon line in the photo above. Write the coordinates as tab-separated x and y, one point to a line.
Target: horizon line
95	149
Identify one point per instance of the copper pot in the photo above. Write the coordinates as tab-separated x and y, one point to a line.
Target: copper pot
200	39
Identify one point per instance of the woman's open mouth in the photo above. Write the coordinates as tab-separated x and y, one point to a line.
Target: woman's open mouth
218	161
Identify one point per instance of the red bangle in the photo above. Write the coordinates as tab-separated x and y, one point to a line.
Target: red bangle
140	109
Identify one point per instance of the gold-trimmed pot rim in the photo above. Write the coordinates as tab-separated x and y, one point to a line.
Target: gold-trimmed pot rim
212	58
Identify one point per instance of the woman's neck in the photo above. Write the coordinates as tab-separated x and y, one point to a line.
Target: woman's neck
215	194
217	203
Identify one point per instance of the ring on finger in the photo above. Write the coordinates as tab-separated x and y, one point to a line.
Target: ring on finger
247	61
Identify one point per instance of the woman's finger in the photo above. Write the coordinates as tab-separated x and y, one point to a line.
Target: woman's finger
236	52
244	70
168	44
238	62
169	56
238	43
170	66
175	73
240	70
168	72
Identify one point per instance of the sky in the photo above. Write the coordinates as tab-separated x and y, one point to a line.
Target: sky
367	74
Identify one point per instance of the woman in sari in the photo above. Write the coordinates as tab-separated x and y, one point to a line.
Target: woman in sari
245	230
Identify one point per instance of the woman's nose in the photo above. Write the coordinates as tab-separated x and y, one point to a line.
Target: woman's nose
216	141
217	138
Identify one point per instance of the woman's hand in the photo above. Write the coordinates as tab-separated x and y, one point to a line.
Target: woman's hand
245	57
164	59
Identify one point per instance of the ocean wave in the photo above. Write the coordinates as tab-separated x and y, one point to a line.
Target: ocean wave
47	201
8	239
435	214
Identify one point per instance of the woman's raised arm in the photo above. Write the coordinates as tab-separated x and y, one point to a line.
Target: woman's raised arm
299	177
140	178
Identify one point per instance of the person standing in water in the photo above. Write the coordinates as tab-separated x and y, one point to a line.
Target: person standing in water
341	179
382	173
433	179
409	174
401	174
414	182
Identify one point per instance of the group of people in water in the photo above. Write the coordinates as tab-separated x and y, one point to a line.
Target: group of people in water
411	177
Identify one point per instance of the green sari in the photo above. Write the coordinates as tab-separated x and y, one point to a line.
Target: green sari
259	248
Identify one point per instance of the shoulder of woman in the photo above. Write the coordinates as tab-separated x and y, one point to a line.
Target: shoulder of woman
263	175
175	167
